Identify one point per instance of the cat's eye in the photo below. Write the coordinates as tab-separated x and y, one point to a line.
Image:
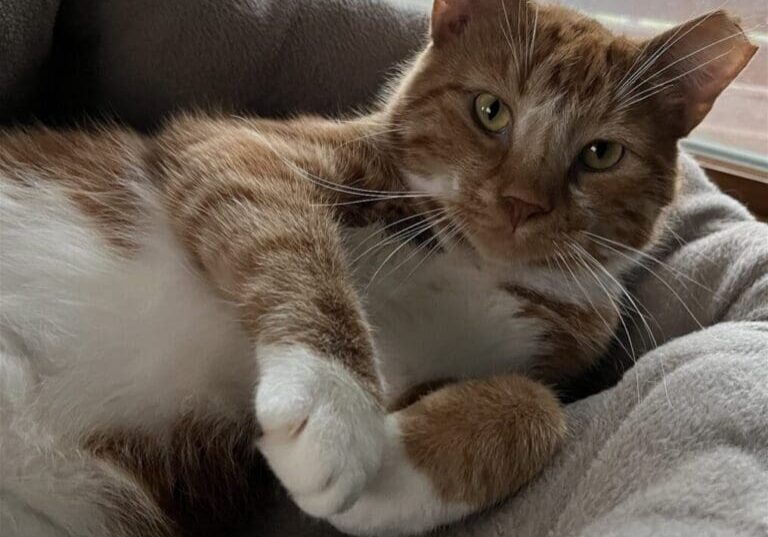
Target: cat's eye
491	112
601	155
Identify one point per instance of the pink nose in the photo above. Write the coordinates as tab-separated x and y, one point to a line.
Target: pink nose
521	211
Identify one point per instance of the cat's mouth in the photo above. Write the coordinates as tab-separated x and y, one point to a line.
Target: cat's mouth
533	243
511	247
501	242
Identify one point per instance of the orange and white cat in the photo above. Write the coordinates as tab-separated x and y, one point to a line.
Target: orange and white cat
173	305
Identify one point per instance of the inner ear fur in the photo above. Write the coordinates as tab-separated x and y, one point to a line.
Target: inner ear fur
699	58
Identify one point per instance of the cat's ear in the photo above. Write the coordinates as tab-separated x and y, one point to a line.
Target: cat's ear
701	58
451	17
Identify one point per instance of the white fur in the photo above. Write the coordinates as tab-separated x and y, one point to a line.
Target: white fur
323	434
93	340
448	316
448	319
48	486
436	184
120	342
400	500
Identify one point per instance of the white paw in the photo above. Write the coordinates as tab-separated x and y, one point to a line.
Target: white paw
401	501
323	433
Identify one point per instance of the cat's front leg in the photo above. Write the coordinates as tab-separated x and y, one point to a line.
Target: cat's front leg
457	451
322	431
316	400
266	239
317	394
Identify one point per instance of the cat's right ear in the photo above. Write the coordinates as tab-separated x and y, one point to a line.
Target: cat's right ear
451	17
701	58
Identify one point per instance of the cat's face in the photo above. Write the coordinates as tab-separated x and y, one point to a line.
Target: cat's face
536	128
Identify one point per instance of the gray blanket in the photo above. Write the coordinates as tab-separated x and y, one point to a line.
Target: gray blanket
678	447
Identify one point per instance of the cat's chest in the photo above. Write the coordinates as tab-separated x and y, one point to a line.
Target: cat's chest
441	317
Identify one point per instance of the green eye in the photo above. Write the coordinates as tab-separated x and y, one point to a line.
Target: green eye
491	112
601	155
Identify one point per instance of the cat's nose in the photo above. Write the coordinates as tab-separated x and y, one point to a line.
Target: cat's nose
521	210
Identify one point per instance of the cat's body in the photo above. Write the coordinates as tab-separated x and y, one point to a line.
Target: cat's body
132	342
167	301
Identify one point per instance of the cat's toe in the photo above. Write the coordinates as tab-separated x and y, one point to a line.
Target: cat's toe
338	496
326	462
323	433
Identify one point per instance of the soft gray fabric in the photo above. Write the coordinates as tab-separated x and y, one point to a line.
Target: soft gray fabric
263	56
26	32
139	60
680	451
678	447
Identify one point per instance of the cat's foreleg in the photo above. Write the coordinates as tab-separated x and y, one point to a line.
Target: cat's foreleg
269	244
456	451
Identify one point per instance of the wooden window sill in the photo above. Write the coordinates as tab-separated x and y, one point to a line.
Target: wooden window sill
751	191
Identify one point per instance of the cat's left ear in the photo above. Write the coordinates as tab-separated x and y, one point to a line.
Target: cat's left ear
701	57
450	18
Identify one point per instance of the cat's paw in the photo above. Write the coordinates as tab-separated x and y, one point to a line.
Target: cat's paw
402	500
455	451
322	432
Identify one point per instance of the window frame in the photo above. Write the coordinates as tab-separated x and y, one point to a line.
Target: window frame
752	193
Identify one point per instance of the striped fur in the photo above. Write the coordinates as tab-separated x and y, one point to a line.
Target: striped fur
347	301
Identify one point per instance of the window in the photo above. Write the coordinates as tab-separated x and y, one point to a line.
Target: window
734	137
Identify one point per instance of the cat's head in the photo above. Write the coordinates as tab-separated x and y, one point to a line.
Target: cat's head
534	127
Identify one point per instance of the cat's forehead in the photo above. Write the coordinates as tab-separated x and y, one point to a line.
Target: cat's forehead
571	51
553	51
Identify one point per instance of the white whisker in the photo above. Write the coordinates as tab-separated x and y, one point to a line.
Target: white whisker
668	44
610	296
611	299
440	242
417	250
388	239
583	290
533	38
632	301
372	199
670	268
658	88
669	287
687	56
647	328
508	36
330	185
375	134
379	230
405	242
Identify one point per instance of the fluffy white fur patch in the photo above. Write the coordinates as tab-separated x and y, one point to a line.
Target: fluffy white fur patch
401	501
323	434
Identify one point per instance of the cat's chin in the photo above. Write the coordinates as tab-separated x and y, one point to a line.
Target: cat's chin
514	255
510	248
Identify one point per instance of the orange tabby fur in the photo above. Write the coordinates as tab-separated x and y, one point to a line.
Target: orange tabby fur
243	201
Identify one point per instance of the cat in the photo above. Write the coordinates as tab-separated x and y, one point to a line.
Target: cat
379	306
